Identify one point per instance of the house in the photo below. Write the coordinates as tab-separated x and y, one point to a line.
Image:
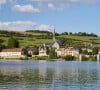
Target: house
68	51
88	49
60	52
72	51
98	48
13	53
32	51
42	51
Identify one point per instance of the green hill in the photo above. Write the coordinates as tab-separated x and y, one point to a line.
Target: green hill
71	40
31	38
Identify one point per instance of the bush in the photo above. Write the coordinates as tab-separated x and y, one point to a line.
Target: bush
40	58
69	58
84	58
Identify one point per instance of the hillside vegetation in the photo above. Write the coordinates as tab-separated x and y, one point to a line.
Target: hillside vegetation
35	38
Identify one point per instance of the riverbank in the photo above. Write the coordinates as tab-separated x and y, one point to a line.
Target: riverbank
67	58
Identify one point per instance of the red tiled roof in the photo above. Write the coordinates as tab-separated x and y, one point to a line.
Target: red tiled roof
61	49
12	50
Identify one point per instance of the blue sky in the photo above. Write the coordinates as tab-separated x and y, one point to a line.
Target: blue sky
65	15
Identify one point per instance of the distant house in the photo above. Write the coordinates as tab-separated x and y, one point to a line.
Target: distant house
13	53
60	52
30	51
88	49
72	51
98	49
42	51
68	51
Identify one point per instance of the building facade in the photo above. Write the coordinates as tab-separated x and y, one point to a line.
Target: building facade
13	53
68	51
42	51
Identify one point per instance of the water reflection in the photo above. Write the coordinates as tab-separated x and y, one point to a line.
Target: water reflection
42	75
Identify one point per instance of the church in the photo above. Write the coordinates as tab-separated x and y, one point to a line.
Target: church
54	44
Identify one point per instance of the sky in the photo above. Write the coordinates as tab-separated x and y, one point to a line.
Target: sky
64	15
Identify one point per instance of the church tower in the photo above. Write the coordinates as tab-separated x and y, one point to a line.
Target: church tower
54	37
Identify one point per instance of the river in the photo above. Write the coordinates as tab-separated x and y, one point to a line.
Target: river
49	75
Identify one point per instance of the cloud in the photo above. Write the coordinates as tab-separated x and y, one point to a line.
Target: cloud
55	0
13	1
60	7
25	8
3	1
42	27
92	1
73	1
17	25
22	26
40	4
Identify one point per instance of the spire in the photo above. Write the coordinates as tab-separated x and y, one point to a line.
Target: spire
54	38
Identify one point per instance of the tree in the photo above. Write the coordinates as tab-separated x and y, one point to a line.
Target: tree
69	58
1	41
84	52
35	50
1	45
52	53
64	33
70	33
95	51
47	50
13	43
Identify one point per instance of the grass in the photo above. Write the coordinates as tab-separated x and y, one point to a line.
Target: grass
31	41
83	39
27	41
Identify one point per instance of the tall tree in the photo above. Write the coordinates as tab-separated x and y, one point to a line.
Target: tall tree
95	51
52	53
1	45
13	43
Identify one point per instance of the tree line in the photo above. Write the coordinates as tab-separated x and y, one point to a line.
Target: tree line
11	43
79	34
48	33
38	31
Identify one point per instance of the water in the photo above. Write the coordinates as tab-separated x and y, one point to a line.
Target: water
46	75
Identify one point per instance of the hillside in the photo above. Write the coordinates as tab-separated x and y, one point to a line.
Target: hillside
80	40
30	39
26	39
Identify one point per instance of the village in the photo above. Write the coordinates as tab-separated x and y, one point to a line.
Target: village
51	50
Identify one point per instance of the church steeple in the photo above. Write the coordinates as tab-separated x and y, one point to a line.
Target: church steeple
54	37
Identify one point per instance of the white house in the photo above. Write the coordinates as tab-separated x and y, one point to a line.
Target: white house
13	53
60	52
42	51
72	51
67	51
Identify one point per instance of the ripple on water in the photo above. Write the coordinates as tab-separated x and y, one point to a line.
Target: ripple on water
46	75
